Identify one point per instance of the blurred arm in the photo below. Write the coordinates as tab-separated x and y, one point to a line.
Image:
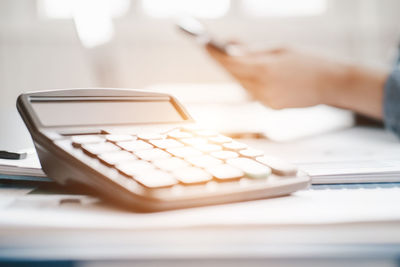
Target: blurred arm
284	78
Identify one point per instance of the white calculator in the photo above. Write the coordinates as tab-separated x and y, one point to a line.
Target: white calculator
142	150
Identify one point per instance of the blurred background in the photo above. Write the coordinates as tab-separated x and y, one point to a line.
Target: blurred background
48	44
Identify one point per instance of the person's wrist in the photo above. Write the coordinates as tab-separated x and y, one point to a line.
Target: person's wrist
336	82
355	88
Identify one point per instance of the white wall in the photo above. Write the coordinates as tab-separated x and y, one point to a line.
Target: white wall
38	53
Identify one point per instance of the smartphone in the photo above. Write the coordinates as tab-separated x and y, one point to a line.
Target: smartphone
196	29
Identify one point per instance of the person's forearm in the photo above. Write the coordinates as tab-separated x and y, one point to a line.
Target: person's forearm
356	88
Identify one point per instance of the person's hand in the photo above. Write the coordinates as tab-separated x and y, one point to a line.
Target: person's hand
279	78
283	78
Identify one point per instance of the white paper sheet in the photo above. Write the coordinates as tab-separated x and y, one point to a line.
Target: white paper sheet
304	207
30	166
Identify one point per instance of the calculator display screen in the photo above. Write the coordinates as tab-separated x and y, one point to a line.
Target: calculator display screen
83	113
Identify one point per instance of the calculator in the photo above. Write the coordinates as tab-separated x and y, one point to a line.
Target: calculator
143	151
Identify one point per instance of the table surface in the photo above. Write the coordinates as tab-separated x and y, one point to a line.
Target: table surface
359	242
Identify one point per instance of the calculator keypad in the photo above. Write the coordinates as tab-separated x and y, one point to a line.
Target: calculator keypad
133	146
251	168
278	166
134	167
120	137
170	164
184	152
166	143
180	157
79	140
225	172
100	148
234	146
204	161
152	154
224	155
192	175
113	158
155	178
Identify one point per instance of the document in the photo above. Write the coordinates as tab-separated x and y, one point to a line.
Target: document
356	171
307	207
23	169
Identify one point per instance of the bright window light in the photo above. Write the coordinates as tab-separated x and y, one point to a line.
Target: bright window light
93	23
64	9
177	8
284	8
92	18
55	9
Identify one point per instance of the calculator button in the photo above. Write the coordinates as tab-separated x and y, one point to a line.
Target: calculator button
133	167
192	127
112	158
166	143
152	154
179	134
251	153
204	161
120	137
206	133
220	139
134	145
194	141
170	164
192	175
184	152
207	148
155	178
224	155
151	136
96	149
79	140
278	166
225	172
235	146
250	167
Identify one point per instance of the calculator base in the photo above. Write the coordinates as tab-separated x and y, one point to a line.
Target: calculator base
60	169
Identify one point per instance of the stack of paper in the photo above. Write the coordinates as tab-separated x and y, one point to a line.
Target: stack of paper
23	169
356	171
25	210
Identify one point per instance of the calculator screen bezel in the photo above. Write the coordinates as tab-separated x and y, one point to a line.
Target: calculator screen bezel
24	105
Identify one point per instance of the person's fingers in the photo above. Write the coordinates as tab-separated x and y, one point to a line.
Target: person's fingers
237	66
242	72
240	68
248	85
257	52
235	48
278	50
219	55
235	42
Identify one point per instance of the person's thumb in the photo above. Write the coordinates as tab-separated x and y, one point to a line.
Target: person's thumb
217	54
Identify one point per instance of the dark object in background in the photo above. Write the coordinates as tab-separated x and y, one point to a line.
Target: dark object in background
362	120
12	155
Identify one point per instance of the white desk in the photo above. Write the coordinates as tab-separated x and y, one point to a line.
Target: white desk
373	242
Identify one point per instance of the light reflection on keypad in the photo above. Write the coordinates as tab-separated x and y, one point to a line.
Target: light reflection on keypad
183	156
